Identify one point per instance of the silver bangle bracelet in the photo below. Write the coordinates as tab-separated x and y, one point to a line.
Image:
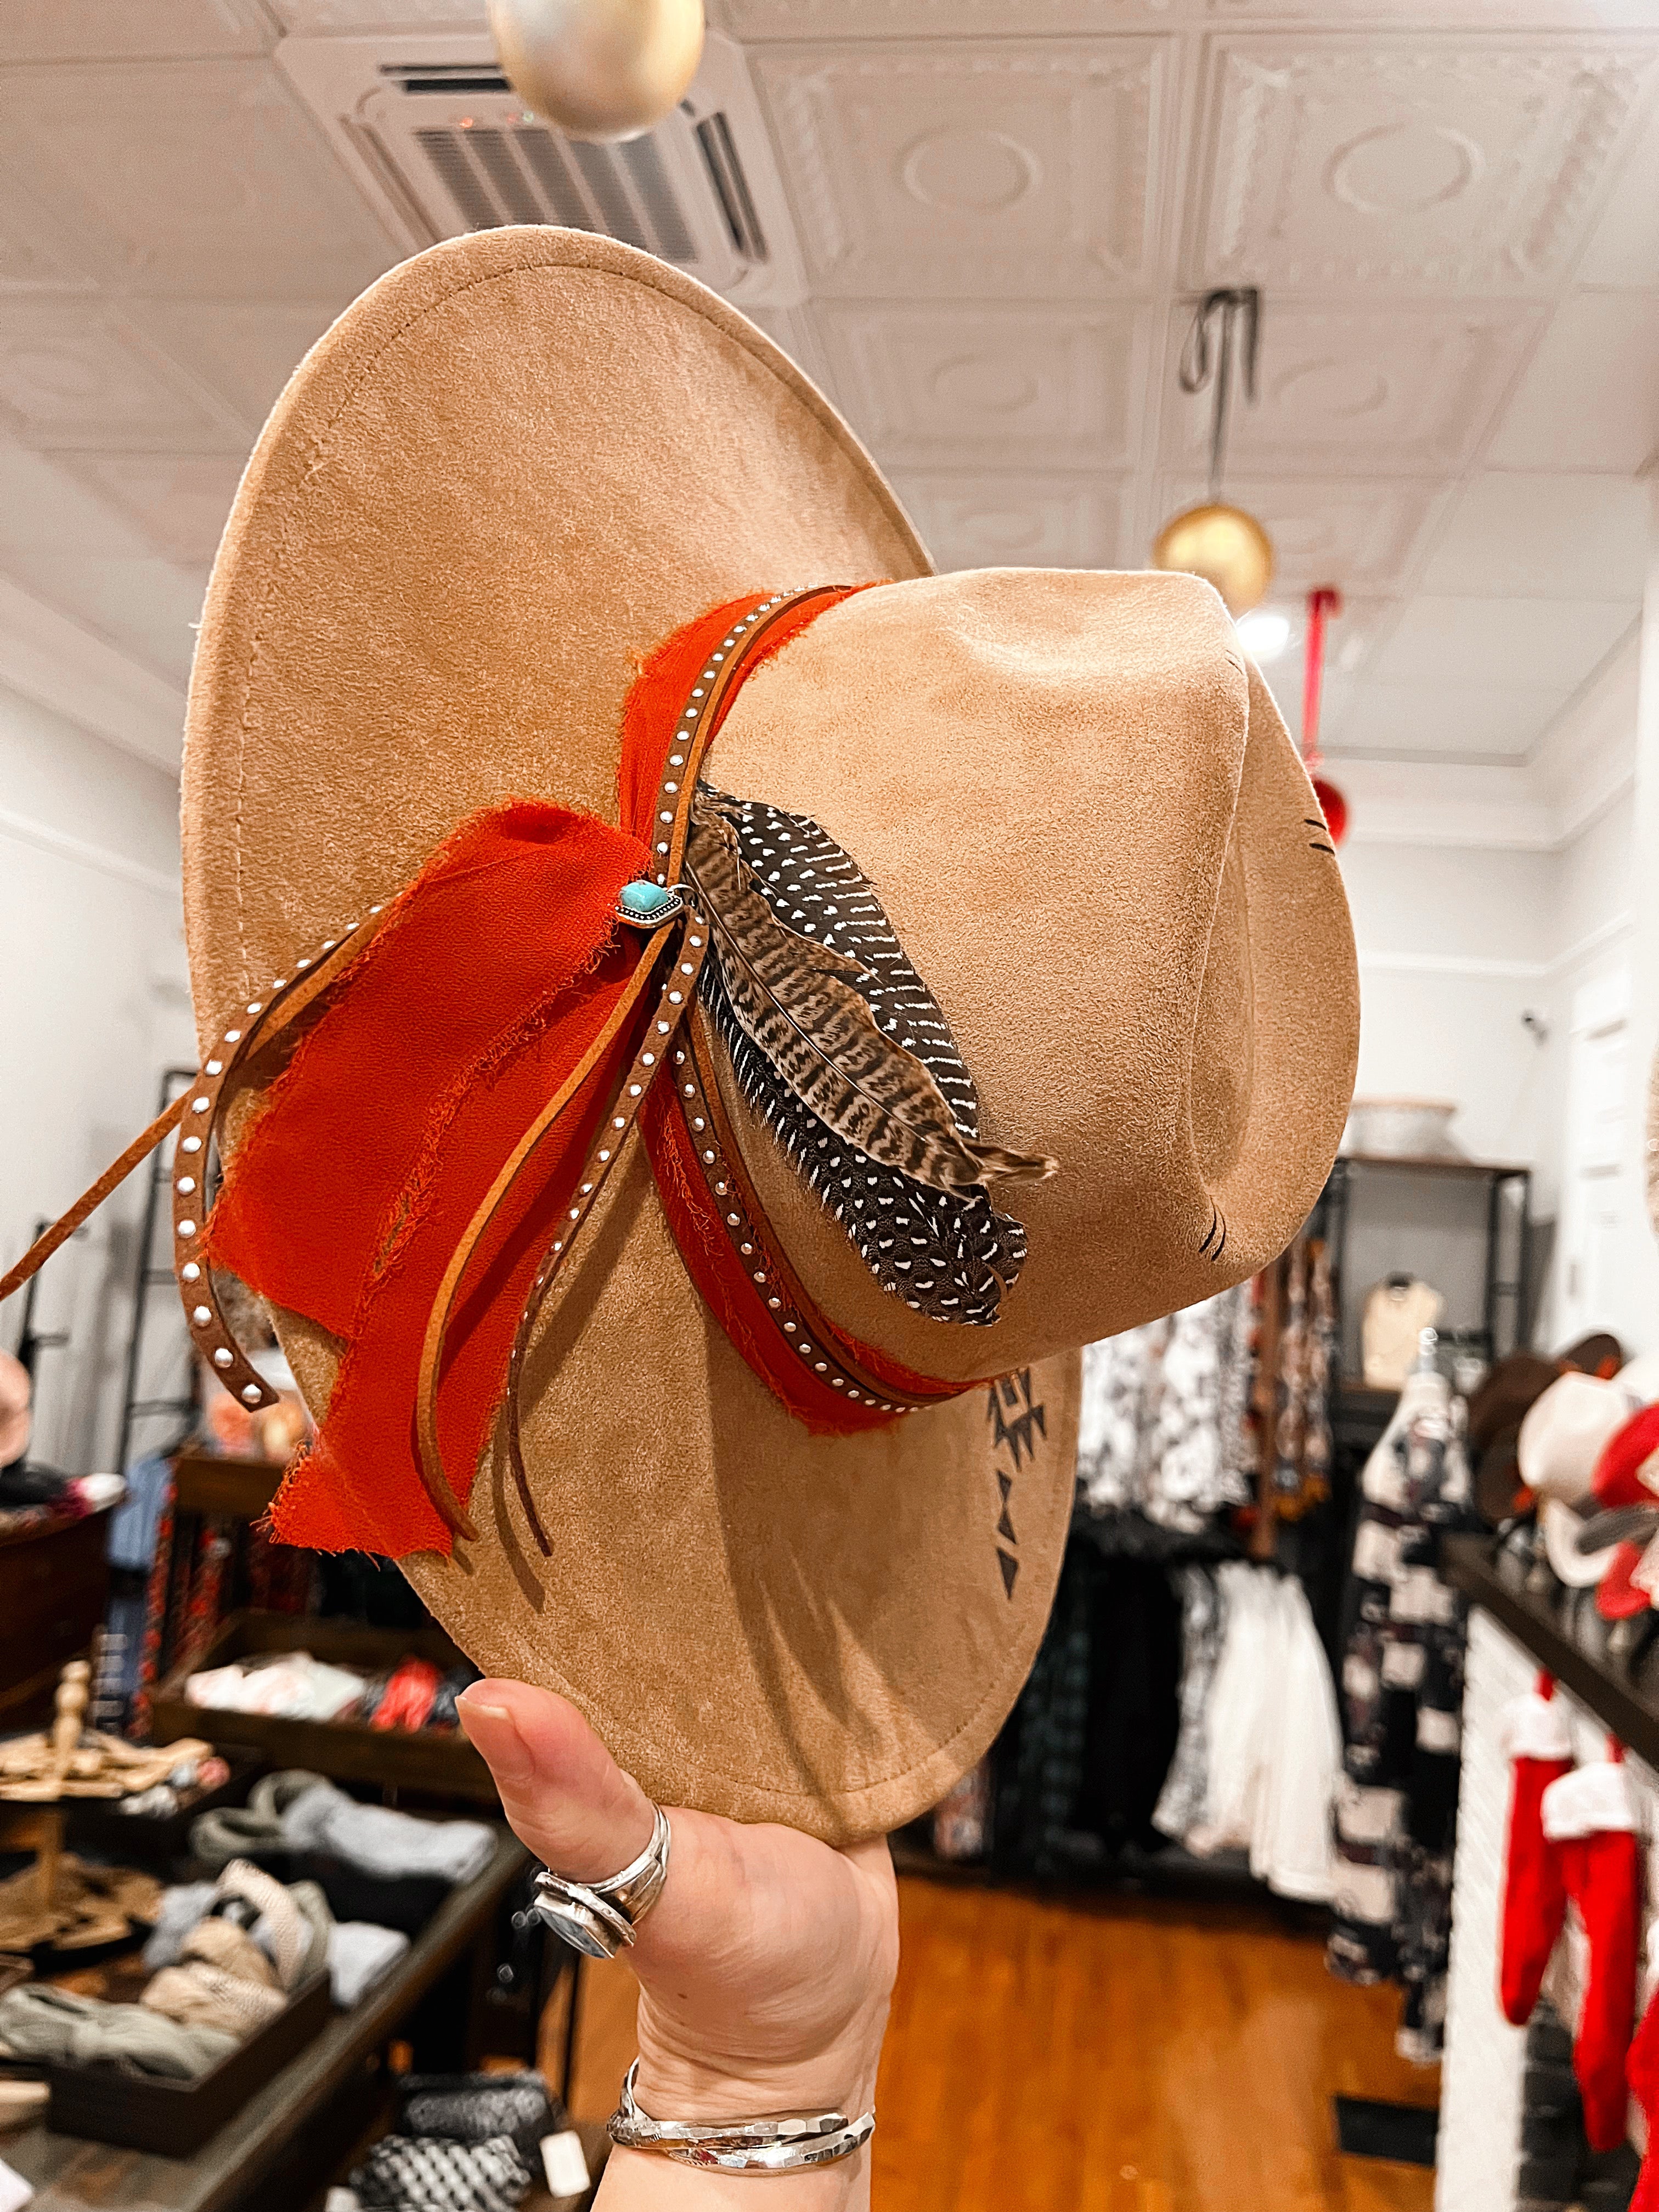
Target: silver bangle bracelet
789	2142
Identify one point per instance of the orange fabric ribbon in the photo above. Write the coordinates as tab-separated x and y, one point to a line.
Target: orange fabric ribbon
495	972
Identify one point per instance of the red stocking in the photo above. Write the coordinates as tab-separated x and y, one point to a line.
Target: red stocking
1588	1816
1537	1738
1641	2072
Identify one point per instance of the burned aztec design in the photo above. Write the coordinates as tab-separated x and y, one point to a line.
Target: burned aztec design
1016	1420
950	1256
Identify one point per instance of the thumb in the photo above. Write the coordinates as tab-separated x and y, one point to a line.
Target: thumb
564	1795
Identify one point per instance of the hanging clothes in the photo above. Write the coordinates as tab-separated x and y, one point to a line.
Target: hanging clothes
1238	1696
1195	1465
1038	1768
1115	1390
1301	1441
962	1819
1291	1840
1081	1765
1186	1787
1134	1710
1273	1739
1402	1694
1160	1431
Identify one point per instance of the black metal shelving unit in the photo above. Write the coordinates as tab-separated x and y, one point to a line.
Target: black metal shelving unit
149	1274
1359	1415
1504	1318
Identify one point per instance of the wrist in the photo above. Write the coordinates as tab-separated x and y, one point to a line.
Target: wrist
674	2084
681	2090
673	2088
738	2078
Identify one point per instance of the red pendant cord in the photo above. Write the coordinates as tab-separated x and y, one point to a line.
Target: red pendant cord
1324	602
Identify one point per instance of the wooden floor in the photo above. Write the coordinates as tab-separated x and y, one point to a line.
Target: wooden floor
1051	2055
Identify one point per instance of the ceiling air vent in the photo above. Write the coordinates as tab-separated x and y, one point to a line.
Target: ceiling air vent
434	133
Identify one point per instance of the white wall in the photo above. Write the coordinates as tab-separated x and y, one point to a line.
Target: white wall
1594	927
1638	1288
1454	944
1594	887
94	1005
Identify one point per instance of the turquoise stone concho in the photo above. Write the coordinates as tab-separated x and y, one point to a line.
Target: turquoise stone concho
647	905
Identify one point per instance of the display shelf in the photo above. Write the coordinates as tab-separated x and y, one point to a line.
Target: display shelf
440	1761
1359	1416
1363	1401
276	2151
54	1586
237	1489
1507	1231
173	2120
1530	1618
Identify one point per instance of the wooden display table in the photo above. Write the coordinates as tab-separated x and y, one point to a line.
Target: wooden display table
439	1761
54	1587
290	2140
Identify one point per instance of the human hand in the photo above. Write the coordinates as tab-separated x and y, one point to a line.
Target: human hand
764	1967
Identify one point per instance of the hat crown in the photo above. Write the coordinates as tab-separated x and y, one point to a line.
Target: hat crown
1088	826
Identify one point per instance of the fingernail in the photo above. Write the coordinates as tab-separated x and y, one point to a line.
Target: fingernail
494	1734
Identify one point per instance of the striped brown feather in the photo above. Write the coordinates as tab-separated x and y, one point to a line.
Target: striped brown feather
795	999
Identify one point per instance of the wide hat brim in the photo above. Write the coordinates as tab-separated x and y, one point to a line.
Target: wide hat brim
515	466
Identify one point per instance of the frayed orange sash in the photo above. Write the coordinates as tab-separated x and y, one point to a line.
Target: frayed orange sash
498	969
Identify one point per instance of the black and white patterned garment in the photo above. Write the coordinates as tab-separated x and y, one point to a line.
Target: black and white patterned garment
949	1257
426	2173
1185	1795
1402	1697
1160	1431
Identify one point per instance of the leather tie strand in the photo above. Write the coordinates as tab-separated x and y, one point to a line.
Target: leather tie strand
601	1054
261	1022
677	994
198	1110
89	1200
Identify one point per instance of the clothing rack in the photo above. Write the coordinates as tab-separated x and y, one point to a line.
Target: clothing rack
1264	1405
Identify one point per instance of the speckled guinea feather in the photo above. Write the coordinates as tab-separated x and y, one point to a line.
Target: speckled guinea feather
794	997
948	1253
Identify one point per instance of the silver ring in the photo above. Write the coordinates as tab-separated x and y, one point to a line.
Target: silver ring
599	1917
783	2144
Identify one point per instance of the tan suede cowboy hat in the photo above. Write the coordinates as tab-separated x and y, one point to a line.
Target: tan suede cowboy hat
984	877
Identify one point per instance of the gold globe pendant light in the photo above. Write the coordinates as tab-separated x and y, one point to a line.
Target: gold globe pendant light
598	69
1226	546
1222	543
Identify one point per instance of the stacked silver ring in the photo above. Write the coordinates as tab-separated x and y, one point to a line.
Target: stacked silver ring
600	1918
785	2144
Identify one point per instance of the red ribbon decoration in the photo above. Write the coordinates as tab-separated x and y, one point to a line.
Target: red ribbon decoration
496	969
